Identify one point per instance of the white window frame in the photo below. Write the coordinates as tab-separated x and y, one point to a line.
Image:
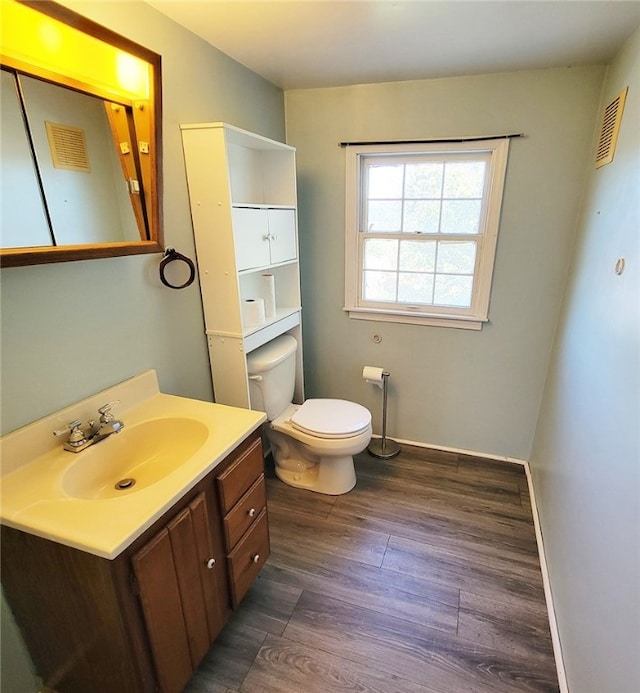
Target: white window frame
467	318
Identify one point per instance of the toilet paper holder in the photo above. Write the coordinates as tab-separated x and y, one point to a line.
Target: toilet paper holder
383	448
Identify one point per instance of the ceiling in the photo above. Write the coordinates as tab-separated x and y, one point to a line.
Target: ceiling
321	43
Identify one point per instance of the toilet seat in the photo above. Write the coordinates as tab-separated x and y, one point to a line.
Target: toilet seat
331	418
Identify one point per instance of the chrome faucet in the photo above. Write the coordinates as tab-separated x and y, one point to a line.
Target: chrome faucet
78	440
108	423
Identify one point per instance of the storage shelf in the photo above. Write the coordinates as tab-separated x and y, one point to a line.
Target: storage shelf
266	268
229	171
260	205
240	137
281	314
266	333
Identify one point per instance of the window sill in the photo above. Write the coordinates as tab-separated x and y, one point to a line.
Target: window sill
454	321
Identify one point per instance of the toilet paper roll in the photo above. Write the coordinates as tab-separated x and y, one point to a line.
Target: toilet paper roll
253	312
373	375
269	294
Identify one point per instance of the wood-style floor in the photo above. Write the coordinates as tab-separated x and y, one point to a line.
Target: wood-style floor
424	578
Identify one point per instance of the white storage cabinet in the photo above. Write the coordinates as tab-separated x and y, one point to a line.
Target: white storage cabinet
242	191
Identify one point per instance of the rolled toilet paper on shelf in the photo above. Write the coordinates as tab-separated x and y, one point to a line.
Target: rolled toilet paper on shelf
373	375
253	312
269	294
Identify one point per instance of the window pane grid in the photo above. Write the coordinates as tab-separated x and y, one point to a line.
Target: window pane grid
423	231
418	271
454	199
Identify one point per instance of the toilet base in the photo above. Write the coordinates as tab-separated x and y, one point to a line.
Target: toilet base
332	476
320	465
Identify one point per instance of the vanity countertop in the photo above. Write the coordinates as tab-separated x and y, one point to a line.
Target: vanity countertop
34	497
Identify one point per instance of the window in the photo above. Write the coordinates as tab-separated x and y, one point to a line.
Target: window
421	231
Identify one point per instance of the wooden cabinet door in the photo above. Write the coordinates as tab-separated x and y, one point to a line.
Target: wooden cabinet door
213	593
154	568
176	574
186	558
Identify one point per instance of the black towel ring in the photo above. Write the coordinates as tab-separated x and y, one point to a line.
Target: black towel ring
171	254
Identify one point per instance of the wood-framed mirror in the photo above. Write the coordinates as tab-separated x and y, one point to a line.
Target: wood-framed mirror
80	147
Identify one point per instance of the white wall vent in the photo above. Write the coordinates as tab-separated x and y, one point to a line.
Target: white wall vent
609	131
68	146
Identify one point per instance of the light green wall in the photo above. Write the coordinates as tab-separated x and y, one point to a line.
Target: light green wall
586	453
72	329
69	330
477	391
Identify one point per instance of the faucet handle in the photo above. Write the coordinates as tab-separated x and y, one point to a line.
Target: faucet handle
77	436
70	427
105	411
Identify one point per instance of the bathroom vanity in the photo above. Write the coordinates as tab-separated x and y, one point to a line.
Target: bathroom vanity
131	599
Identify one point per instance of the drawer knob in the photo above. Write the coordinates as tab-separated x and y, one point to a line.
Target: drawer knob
256	558
252	512
211	563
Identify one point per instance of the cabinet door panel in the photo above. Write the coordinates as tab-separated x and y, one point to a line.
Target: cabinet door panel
282	232
211	591
250	237
186	556
160	596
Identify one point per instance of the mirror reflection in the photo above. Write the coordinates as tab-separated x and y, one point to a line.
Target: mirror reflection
65	179
79	139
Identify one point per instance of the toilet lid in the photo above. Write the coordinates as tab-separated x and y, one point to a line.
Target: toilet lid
331	418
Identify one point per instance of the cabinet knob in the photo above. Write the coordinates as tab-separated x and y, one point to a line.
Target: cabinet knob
252	512
256	558
211	563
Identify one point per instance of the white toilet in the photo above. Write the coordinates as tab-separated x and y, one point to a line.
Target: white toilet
313	444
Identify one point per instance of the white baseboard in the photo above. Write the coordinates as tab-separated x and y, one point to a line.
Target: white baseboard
459	451
553	624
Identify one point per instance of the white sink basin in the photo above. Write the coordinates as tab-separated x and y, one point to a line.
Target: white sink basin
133	459
167	445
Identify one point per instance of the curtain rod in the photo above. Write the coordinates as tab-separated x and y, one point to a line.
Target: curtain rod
435	141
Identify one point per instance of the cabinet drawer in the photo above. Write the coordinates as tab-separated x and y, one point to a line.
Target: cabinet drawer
234	482
246	560
245	513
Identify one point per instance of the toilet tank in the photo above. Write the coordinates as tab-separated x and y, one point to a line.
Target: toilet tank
272	375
